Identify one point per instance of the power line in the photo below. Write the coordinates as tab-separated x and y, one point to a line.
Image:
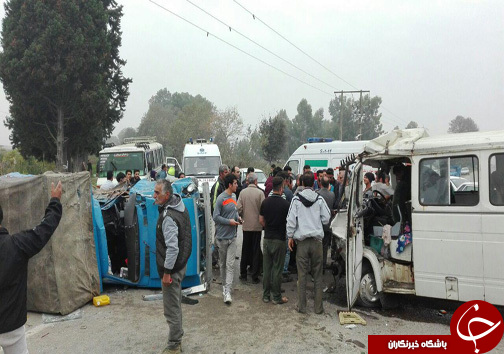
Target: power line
308	55
239	49
259	45
295	46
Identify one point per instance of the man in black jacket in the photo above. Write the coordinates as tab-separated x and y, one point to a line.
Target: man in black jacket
15	251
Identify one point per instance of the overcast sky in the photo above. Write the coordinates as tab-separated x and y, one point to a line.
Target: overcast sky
428	60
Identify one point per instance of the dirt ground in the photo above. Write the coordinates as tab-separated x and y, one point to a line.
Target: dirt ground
131	325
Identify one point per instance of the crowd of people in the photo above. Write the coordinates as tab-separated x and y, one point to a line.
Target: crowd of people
295	217
132	177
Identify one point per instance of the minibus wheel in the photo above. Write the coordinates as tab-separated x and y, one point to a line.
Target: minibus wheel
368	293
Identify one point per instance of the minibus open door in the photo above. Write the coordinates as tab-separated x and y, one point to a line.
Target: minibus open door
354	239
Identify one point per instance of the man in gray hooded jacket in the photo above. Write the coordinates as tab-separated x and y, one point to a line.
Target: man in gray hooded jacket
173	248
307	214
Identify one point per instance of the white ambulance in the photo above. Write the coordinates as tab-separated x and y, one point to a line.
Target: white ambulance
201	159
322	153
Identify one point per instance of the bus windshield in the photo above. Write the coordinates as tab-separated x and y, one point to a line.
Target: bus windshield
120	162
207	165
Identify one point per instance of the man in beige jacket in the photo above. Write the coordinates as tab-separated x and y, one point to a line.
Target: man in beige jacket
249	205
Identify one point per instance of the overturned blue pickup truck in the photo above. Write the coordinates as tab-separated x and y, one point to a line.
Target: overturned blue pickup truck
124	223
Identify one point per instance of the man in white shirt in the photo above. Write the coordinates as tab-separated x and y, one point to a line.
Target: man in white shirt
110	184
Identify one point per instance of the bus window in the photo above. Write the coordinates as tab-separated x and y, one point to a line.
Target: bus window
120	162
497	179
157	160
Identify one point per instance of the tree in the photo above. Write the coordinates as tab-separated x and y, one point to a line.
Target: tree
62	74
227	128
358	121
128	132
273	137
462	125
412	125
174	118
302	124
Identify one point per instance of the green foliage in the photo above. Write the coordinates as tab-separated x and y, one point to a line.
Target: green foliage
61	72
273	132
462	125
353	112
227	128
13	161
173	119
302	125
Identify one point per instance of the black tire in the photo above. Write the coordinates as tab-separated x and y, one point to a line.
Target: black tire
368	294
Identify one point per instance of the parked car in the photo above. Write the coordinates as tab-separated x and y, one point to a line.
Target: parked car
468	187
464	171
456	182
261	176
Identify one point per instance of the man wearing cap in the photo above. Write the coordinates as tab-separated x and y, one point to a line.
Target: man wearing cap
15	252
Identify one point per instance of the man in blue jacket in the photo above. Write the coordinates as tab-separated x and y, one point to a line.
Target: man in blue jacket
15	251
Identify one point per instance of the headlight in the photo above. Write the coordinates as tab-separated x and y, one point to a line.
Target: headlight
191	188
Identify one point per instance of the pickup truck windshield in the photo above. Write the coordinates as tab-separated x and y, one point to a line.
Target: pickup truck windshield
208	165
120	162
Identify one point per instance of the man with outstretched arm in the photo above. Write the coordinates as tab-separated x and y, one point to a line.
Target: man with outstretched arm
15	251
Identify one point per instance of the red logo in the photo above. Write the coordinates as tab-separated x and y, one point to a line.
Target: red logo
476	327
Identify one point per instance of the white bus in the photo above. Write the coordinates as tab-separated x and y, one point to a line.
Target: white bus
457	241
139	153
201	159
322	153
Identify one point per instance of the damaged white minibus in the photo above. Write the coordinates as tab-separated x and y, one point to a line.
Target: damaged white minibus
441	242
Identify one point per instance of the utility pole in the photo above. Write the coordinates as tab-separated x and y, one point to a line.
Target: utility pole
342	92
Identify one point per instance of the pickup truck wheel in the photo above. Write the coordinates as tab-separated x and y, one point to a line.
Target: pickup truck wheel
368	294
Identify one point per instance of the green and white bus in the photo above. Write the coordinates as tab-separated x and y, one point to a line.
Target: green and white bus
139	153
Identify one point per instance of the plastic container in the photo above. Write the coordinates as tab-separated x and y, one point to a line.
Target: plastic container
376	243
101	300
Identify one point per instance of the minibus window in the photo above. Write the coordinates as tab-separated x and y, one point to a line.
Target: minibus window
434	182
449	181
496	179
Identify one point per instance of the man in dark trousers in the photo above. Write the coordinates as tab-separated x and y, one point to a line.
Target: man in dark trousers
273	216
325	192
249	204
173	248
15	251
